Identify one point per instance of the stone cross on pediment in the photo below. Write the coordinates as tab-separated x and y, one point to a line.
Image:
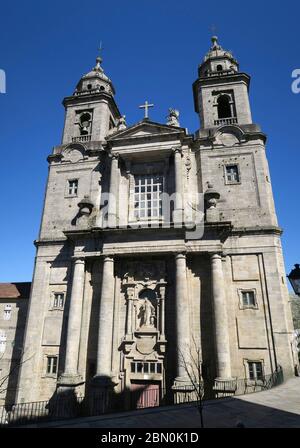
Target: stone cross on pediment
146	107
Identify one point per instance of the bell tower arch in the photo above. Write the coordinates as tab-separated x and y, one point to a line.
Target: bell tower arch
221	90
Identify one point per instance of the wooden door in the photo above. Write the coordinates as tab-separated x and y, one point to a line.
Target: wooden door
144	395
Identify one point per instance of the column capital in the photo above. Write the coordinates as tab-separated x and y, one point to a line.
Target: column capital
78	260
107	258
177	149
216	256
180	256
114	155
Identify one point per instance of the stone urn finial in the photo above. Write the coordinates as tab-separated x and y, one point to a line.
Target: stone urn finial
211	196
85	206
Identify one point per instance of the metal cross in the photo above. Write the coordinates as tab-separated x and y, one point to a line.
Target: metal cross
100	48
146	107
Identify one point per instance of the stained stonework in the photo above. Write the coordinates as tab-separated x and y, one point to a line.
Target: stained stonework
138	290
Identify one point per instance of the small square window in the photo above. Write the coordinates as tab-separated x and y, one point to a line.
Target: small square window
58	300
2	342
232	174
255	370
7	312
52	365
73	187
248	299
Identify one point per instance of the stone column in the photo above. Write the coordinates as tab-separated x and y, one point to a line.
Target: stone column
130	293
220	318
113	191
178	203
103	368
162	313
70	375
182	315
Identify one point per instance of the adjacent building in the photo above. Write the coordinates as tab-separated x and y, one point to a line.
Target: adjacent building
14	298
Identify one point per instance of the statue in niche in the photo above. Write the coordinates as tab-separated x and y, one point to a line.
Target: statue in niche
147	314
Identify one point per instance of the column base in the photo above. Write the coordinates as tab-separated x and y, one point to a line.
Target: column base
69	380
65	403
102	398
225	387
185	392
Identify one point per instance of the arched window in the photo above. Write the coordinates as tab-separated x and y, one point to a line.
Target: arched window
224	109
219	68
85	123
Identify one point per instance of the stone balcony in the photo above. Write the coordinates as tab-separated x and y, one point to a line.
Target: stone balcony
223	121
81	138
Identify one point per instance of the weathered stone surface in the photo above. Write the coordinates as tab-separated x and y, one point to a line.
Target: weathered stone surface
193	287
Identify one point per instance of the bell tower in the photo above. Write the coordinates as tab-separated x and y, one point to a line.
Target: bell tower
221	91
91	112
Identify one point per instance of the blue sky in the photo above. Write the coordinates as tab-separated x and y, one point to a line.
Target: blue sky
151	50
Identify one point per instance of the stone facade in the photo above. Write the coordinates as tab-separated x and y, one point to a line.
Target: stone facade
295	307
14	298
118	301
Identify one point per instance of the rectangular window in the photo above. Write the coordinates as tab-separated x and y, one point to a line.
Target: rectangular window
58	301
232	174
52	365
147	196
248	299
145	367
7	312
152	367
255	370
73	187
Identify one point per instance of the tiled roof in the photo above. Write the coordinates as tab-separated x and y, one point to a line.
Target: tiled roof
15	290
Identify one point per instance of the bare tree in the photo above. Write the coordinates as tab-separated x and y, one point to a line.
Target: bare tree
191	361
5	379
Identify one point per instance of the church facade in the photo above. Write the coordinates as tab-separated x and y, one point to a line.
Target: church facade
156	244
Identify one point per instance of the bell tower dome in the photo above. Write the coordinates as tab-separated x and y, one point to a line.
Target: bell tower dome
221	90
91	112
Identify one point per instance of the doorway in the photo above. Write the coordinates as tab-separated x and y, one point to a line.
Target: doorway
144	394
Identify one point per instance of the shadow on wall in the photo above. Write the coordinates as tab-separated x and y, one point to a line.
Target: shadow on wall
65	404
223	413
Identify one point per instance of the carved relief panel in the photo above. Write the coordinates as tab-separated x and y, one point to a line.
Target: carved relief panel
144	286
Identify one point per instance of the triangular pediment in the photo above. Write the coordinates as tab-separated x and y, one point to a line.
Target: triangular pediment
145	129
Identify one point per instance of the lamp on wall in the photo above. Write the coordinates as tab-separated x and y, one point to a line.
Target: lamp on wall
294	278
